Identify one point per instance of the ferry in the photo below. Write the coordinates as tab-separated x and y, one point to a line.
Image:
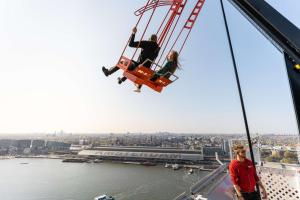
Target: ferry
167	165
104	197
148	163
75	160
175	166
132	163
98	161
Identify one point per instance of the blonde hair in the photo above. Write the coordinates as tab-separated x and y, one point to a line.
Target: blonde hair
238	148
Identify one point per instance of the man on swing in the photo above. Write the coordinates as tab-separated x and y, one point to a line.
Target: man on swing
150	50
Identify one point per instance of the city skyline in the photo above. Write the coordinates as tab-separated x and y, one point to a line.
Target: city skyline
50	76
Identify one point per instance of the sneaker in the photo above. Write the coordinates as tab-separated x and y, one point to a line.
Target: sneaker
105	71
138	90
120	80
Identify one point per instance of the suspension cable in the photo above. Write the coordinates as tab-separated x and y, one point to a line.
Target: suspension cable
154	9
135	26
188	25
174	27
239	89
163	21
175	8
165	33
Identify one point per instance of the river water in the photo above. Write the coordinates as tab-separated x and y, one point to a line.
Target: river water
46	179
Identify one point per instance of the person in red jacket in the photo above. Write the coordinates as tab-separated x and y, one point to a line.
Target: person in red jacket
243	176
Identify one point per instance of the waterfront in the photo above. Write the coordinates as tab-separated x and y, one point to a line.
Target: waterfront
48	179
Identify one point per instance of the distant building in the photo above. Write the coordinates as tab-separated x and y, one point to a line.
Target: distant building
225	146
27	151
144	154
36	147
21	145
83	142
12	150
57	146
5	143
211	151
37	144
77	148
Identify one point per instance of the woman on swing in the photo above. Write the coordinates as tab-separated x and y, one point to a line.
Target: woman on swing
168	69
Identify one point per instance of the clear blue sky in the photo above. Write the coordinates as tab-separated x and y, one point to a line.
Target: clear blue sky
50	78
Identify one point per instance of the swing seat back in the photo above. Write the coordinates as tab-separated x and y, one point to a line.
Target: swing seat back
162	81
124	63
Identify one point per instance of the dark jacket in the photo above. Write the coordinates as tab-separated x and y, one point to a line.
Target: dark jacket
150	50
169	67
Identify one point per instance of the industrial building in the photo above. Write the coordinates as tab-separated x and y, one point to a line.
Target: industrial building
144	154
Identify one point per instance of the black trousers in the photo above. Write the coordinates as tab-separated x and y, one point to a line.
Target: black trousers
132	67
251	196
161	71
154	77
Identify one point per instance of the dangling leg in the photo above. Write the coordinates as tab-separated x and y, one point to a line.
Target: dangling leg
121	80
154	77
110	71
138	88
130	68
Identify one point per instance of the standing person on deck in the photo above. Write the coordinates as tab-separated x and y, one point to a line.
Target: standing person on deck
243	176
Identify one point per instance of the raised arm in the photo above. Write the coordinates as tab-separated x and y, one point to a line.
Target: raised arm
134	44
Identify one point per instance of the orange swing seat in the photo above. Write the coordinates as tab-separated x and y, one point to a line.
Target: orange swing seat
142	75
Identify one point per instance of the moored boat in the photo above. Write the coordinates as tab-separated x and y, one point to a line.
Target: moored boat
175	166
75	160
148	163
104	197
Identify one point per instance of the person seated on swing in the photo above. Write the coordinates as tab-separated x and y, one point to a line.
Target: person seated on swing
150	50
168	69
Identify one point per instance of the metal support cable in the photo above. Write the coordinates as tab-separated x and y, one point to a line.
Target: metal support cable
164	20
169	38
137	23
239	89
154	9
166	29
